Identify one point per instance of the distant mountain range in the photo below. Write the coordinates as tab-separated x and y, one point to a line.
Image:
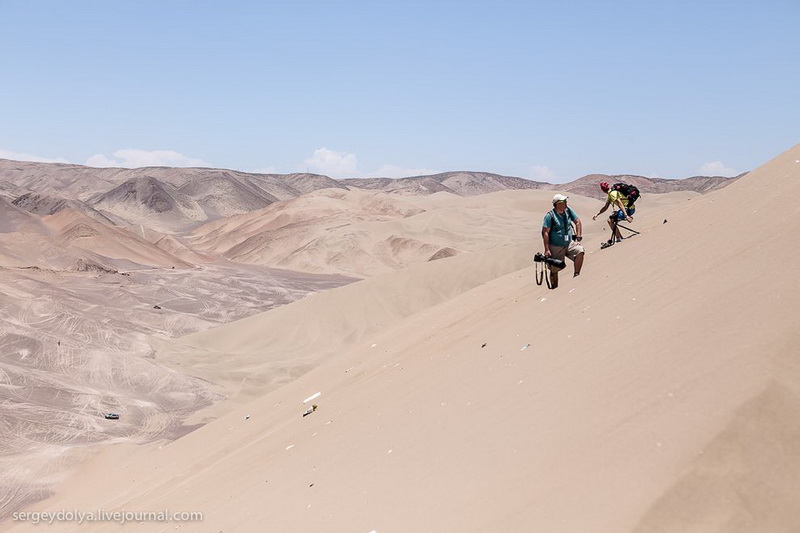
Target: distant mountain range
180	199
115	218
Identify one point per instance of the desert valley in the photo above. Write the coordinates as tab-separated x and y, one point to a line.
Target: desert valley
212	308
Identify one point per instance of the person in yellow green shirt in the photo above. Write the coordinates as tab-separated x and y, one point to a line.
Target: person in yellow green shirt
622	211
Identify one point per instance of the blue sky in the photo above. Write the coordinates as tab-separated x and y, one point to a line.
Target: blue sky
539	89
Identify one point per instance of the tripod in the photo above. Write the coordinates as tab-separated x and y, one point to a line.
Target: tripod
614	232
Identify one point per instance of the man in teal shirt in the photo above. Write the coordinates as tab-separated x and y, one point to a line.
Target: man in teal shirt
559	239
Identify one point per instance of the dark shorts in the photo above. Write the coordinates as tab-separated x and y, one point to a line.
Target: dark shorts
619	215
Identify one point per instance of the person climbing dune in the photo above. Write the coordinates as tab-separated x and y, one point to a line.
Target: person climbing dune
559	239
624	209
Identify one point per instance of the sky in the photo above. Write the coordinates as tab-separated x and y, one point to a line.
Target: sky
544	90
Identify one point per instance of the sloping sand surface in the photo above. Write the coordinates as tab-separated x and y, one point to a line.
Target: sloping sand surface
254	355
655	392
77	229
74	346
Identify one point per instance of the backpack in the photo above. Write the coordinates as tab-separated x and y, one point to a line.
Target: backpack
629	191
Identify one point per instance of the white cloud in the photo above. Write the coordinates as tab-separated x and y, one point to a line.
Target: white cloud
716	168
18	156
392	171
266	170
543	173
332	163
99	160
345	165
132	158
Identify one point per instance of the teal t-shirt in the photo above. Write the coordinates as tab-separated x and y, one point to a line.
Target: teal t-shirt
560	228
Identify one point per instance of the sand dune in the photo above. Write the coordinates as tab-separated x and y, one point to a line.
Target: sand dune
365	234
79	230
656	392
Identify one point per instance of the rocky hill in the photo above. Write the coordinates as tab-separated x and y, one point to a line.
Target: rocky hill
588	185
459	183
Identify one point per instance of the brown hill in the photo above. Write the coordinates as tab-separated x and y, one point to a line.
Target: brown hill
588	185
459	183
45	204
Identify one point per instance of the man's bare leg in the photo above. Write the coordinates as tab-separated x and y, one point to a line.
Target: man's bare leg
578	264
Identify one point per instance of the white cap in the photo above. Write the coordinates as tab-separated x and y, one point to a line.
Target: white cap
559	198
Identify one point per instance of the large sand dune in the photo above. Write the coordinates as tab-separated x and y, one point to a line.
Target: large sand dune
656	392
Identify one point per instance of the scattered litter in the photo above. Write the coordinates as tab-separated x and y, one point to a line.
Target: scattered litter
483	345
310	410
289	447
247	417
328	422
665	221
349	369
572	289
525	347
313	396
311	485
542	299
390	451
374	345
156	307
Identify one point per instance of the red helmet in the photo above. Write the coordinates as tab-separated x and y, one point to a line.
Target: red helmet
604	186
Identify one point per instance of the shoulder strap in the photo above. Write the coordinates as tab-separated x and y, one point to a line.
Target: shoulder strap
568	216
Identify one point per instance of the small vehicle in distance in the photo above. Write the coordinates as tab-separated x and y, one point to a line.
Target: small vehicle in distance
112	416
